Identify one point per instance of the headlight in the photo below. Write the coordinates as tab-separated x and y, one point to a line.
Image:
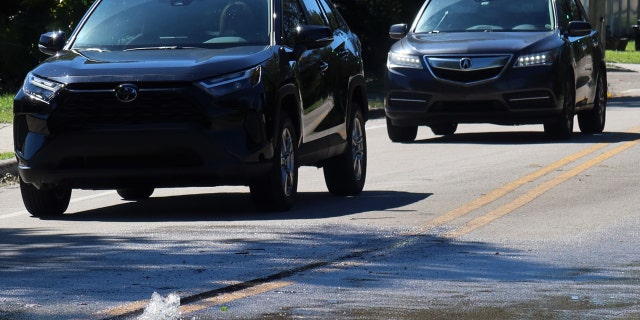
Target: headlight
395	60
40	88
536	59
233	82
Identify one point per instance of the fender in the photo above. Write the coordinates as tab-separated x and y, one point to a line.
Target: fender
358	90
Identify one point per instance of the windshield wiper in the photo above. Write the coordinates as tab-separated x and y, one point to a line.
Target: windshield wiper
92	49
439	23
161	48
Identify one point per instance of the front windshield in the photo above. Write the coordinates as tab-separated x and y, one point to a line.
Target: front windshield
486	16
169	24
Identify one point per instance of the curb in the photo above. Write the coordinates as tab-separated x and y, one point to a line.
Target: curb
9	166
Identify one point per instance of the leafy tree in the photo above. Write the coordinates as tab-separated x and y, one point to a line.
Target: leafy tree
370	20
21	24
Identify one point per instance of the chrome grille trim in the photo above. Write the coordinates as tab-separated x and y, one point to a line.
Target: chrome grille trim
483	68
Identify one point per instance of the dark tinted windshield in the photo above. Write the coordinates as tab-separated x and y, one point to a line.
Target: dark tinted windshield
486	15
148	24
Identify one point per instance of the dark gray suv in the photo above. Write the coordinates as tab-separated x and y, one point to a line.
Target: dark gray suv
496	61
168	93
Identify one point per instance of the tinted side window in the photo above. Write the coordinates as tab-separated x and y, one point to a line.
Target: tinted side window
293	16
569	11
331	15
316	16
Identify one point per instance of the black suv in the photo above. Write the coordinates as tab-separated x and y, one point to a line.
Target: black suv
170	93
497	61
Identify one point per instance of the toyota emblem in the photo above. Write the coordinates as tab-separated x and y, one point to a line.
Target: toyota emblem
465	63
126	92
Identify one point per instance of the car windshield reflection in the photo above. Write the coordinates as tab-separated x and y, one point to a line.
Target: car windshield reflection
486	16
171	24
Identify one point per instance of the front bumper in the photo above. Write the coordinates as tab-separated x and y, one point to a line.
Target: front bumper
218	142
518	96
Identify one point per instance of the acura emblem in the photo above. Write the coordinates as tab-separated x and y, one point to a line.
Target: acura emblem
465	63
126	92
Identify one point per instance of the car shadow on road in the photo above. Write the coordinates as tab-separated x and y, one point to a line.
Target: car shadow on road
129	267
237	206
624	102
528	137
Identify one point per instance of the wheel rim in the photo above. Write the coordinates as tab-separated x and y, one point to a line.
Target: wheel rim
357	149
287	163
59	193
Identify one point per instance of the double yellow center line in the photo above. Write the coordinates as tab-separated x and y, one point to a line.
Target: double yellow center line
530	195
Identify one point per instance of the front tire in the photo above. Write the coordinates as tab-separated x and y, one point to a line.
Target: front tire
45	202
345	174
135	193
562	127
401	133
277	191
444	129
592	121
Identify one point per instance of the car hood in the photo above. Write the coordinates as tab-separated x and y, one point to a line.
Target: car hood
473	42
76	66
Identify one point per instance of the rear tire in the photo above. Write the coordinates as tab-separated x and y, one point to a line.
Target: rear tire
135	193
562	127
592	121
444	129
345	174
401	133
45	202
277	191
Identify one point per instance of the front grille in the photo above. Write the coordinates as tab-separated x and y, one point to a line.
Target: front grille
467	69
93	108
466	76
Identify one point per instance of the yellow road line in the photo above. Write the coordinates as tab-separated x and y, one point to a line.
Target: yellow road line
507	188
232	296
125	309
511	186
221	299
537	191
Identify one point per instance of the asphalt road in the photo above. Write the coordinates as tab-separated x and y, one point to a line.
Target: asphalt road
491	223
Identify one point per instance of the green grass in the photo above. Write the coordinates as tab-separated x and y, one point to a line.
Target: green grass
629	55
6	108
6	155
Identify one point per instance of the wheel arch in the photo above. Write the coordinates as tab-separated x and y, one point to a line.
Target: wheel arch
289	102
358	93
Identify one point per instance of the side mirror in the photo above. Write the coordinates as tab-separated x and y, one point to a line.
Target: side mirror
579	28
398	31
52	42
313	37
